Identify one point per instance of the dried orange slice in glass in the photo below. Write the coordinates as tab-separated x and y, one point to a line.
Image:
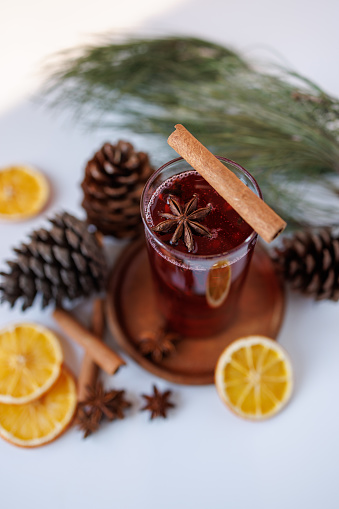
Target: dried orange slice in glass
218	284
30	362
43	420
254	377
24	192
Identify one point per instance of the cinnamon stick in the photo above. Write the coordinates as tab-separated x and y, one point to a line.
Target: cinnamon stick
101	354
89	370
248	205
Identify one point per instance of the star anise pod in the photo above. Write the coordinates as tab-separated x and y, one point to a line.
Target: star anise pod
158	403
158	344
110	403
184	220
98	405
88	421
117	405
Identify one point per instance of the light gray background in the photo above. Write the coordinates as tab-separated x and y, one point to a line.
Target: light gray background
202	456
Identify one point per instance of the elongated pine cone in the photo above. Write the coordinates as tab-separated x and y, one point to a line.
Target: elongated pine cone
310	262
113	183
62	264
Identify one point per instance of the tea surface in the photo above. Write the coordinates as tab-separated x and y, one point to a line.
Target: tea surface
228	230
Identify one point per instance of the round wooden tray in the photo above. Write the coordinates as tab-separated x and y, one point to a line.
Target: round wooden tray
132	310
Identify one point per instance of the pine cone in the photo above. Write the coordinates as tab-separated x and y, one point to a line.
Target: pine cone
113	183
310	262
62	264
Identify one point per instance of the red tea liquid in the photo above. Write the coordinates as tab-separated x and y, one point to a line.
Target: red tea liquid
197	292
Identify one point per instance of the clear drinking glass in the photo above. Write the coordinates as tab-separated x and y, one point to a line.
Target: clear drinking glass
196	294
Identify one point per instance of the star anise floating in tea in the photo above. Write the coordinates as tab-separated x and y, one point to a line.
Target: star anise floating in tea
158	344
184	220
98	405
158	403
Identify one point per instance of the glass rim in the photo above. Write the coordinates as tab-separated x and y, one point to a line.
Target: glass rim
188	255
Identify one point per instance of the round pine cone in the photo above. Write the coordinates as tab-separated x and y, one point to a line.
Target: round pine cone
62	264
113	183
310	262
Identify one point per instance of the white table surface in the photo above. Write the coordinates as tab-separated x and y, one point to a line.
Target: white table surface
202	456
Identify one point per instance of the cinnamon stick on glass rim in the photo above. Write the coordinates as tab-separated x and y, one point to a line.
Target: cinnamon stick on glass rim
249	206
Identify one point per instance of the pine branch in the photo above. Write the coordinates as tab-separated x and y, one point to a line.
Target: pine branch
281	126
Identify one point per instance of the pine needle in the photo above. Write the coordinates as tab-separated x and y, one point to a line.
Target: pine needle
278	124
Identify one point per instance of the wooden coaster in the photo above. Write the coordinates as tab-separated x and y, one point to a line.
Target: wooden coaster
132	310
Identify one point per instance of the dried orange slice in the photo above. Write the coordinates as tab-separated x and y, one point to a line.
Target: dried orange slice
43	420
254	377
30	362
218	284
24	192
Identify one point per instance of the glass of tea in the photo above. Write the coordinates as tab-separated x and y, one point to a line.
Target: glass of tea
199	248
